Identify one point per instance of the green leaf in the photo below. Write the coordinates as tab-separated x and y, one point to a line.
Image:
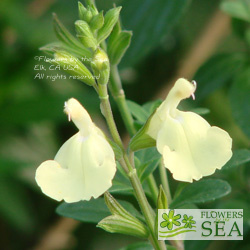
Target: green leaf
87	211
120	188
110	20
148	155
118	46
238	9
137	111
188	206
150	22
239	157
121	184
202	191
146	169
216	72
240	101
91	211
148	161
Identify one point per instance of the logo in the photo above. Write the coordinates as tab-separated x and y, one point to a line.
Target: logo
200	224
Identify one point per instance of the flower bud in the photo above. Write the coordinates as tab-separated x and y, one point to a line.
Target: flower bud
100	66
110	20
85	34
84	14
74	67
97	21
93	9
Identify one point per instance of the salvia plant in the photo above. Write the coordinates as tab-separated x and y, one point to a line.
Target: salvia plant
91	163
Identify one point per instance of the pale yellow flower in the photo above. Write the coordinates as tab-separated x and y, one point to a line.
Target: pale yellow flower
190	147
85	164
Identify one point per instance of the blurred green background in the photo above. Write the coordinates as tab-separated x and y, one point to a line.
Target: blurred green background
33	126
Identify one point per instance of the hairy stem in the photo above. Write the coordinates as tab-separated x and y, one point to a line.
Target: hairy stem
164	181
119	96
146	209
107	112
139	192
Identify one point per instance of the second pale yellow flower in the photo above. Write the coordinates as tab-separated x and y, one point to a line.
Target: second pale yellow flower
190	147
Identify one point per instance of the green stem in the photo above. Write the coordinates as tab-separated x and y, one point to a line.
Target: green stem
153	187
146	209
119	96
164	181
107	112
178	244
139	192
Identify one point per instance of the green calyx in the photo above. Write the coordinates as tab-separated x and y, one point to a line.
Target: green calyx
74	67
97	21
162	202
86	14
100	66
110	20
85	34
141	139
121	221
